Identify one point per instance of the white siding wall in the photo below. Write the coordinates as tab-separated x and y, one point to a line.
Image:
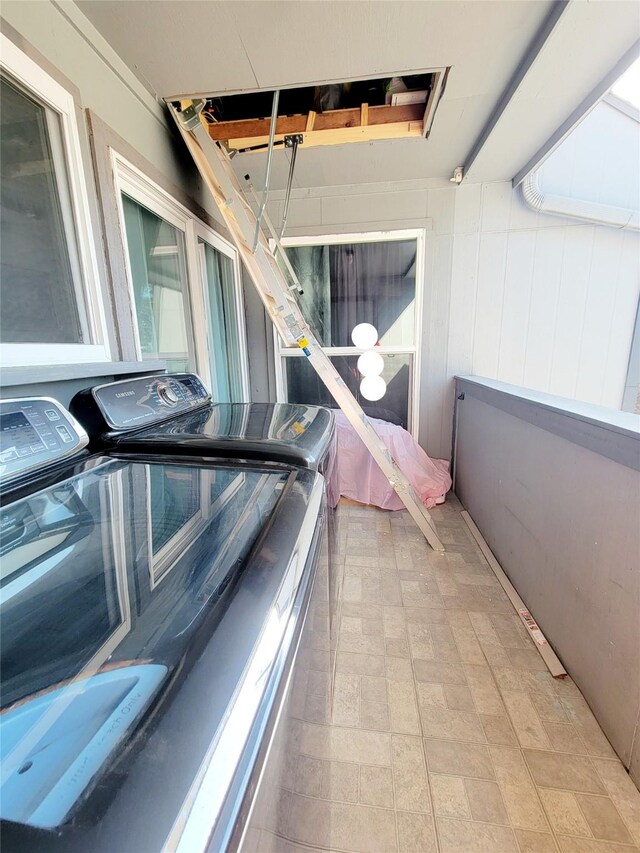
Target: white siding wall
534	300
510	294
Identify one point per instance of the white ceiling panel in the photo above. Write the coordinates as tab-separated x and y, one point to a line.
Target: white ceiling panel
192	47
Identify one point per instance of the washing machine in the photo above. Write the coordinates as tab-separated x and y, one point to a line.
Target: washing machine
175	411
158	611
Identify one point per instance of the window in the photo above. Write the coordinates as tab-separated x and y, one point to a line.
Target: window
51	307
158	278
185	287
367	278
223	311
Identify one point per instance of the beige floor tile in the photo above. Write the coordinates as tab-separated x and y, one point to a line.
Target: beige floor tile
519	794
420	641
345	744
318	682
403	708
310	775
564	812
431	695
346	700
449	796
459	759
375	715
469	648
510	678
317	708
570	844
355	664
439	672
603	819
409	774
425	615
373	688
461	836
558	770
341	825
429	645
525	720
526	659
397	647
365	611
486	801
362	644
523	805
622	791
351	625
415	833
458	697
342	783
549	708
398	669
459	619
351	588
445	650
565	738
376	786
483	627
496	655
483	689
452	725
498	730
535	842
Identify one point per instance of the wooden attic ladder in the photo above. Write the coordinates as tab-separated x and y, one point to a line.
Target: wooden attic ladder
275	291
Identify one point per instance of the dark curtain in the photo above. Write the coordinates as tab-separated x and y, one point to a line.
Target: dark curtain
370	283
351	302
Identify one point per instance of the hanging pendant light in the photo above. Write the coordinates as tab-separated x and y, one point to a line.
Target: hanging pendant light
373	388
364	336
370	363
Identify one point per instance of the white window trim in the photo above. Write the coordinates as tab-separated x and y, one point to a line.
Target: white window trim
419	235
25	71
219	244
130	180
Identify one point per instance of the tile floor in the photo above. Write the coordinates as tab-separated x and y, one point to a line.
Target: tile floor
447	732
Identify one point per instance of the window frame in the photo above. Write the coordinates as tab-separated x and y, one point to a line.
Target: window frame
215	241
281	352
131	181
77	226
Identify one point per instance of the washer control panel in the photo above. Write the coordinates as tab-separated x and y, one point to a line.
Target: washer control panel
135	403
34	433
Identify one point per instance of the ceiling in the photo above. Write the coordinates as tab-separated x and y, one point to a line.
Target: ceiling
183	47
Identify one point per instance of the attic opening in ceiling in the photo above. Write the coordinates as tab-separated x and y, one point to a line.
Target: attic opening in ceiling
352	111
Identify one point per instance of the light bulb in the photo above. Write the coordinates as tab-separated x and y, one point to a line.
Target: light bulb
371	363
373	388
364	336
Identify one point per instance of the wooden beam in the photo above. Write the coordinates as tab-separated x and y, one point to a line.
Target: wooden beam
364	115
331	120
339	136
311	120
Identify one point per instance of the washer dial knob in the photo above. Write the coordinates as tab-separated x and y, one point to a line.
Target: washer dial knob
168	395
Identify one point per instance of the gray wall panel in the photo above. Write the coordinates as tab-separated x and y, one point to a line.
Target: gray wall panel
562	520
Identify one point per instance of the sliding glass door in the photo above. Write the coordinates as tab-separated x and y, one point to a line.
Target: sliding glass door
225	345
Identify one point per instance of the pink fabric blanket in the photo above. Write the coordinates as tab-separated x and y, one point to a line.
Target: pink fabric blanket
356	475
